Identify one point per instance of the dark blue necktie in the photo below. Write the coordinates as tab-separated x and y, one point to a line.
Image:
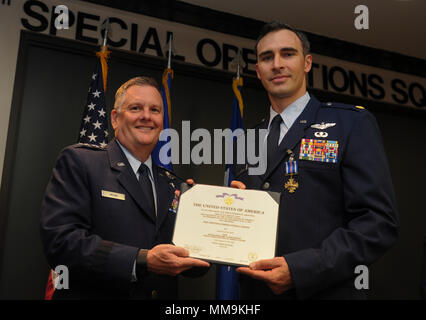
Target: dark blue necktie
273	137
146	186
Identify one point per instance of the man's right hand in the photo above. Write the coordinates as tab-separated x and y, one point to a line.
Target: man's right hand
237	184
171	260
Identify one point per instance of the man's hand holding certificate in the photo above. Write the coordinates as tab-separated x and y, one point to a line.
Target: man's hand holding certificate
227	225
274	272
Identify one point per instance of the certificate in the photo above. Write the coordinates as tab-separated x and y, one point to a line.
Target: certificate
227	225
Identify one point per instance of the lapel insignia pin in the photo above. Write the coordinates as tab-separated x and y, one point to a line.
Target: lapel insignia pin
321	134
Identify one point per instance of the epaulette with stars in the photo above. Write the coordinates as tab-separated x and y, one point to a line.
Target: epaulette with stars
343	106
173	178
89	146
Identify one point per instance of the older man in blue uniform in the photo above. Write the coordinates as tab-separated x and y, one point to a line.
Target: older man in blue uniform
108	214
337	208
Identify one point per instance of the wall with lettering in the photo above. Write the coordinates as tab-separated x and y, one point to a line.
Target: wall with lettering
146	35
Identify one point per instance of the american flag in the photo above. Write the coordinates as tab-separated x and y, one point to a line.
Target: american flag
94	125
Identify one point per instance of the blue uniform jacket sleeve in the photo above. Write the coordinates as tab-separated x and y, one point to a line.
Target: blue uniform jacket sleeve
369	211
66	230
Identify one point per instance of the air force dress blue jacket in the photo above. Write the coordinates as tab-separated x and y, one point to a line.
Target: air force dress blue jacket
338	211
94	219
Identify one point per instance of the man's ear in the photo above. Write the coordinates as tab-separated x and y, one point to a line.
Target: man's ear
114	120
308	63
257	71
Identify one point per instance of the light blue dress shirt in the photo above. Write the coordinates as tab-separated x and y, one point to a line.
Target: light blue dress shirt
289	115
135	164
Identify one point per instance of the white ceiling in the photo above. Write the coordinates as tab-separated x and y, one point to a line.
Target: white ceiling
394	25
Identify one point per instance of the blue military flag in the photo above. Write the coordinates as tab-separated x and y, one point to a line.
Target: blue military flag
165	93
227	287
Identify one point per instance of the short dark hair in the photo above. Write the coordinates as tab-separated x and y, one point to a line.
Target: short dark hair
275	26
137	81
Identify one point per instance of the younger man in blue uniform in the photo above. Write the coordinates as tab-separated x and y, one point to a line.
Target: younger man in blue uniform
337	207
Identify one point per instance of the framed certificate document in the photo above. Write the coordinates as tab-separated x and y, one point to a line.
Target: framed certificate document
227	225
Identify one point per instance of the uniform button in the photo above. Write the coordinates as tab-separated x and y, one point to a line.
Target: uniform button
265	186
154	294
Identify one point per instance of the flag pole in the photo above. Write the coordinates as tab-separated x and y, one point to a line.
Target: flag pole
166	77
238	81
227	287
166	81
238	64
169	63
104	43
103	54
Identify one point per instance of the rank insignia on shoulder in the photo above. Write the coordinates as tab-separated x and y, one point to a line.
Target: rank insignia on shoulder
360	107
169	174
319	150
258	123
91	146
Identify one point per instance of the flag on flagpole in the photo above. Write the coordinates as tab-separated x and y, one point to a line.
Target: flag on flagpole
227	287
237	117
165	93
94	125
166	83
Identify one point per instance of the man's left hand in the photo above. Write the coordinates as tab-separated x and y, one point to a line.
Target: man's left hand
274	272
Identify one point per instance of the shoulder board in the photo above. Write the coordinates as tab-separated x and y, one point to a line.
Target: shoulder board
169	174
89	146
342	106
174	180
259	123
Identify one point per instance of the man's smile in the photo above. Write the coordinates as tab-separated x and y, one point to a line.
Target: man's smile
280	78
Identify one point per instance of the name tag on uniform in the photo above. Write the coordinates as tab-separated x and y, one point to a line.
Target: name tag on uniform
318	150
113	195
